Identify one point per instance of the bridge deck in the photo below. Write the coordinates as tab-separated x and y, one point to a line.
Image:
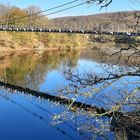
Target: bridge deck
67	31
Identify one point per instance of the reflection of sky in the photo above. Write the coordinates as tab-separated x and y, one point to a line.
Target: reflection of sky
22	118
114	93
26	117
53	80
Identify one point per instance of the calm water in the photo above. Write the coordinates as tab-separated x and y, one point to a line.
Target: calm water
25	117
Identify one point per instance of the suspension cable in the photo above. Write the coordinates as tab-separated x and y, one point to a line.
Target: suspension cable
58	11
53	8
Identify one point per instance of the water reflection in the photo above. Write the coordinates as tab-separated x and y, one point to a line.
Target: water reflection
29	69
44	118
38	111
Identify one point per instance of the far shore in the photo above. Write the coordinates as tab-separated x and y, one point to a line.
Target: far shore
38	49
106	50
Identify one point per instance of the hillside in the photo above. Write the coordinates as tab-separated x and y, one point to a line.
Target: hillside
116	21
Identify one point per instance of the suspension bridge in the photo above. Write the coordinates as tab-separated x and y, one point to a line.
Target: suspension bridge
71	31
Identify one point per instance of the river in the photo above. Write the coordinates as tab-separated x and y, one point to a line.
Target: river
25	117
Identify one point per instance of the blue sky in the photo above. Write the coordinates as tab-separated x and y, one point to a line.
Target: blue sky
117	5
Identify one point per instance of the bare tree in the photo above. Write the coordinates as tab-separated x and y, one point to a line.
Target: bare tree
4	13
33	13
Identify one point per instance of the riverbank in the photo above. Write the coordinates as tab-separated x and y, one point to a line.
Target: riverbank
38	42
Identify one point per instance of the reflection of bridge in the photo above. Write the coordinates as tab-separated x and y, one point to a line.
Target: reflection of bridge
42	29
117	116
53	98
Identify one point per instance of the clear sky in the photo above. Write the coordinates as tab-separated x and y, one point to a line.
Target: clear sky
116	5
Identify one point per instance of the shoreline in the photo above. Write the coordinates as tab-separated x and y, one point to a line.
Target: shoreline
104	49
89	52
39	50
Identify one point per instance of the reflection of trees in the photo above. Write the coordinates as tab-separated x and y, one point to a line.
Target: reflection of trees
29	70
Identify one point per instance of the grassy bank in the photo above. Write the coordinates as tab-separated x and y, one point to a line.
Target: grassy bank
28	41
57	41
